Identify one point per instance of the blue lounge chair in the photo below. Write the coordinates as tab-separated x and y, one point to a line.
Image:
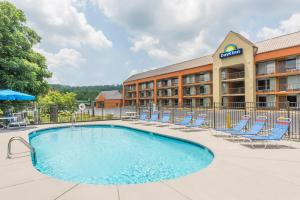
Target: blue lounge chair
276	134
238	127
154	117
166	118
142	118
186	120
258	126
200	121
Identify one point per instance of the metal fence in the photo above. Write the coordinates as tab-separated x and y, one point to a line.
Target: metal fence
220	115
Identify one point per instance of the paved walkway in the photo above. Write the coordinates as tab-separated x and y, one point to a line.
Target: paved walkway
236	173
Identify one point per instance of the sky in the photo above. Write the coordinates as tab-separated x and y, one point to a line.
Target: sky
97	42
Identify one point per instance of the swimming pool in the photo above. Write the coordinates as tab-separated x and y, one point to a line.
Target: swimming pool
106	154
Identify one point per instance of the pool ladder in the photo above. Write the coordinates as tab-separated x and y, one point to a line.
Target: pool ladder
23	141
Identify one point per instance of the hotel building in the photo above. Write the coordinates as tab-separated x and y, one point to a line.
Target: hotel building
238	71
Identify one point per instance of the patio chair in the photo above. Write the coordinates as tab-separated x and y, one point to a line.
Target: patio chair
153	119
276	134
258	126
199	122
142	118
165	120
186	121
2	125
19	121
238	127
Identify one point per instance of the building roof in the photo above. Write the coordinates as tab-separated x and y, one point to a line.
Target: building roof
280	42
113	94
205	60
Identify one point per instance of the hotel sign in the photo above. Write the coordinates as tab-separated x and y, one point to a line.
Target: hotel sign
231	50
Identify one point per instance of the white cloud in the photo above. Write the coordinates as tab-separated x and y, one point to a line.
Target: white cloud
183	29
150	45
184	50
65	64
285	26
61	23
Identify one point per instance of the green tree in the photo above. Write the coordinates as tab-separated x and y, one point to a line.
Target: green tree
85	92
64	101
21	68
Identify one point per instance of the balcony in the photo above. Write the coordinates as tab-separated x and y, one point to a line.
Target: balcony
196	81
164	86
174	95
130	97
286	69
130	89
145	88
198	93
233	75
290	87
146	97
234	91
263	89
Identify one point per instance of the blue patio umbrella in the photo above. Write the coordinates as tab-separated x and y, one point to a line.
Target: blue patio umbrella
10	95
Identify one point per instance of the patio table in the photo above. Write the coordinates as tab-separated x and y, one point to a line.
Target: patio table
4	119
131	115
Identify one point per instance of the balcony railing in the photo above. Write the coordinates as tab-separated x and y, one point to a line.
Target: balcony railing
130	89
146	96
146	88
167	95
233	75
289	87
130	97
279	69
196	94
238	90
284	69
195	81
167	85
263	89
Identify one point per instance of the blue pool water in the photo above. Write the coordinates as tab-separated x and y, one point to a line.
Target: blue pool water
105	154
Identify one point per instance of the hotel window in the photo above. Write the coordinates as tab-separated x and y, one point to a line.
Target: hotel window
201	102
175	81
292	100
165	92
263	85
150	85
165	102
202	89
266	67
298	63
175	92
293	82
187	91
187	79
201	77
158	83
262	101
291	64
143	86
176	102
187	102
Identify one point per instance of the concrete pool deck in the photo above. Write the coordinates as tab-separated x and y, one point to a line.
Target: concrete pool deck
237	172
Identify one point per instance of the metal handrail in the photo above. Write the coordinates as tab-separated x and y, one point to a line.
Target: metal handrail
23	141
